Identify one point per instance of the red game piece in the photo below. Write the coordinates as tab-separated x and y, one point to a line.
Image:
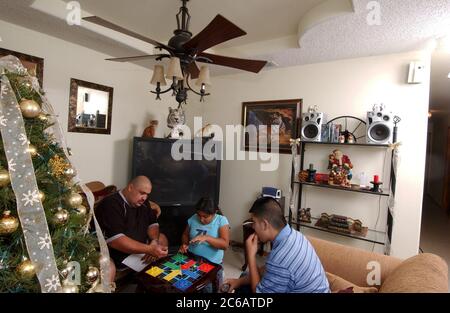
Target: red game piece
187	265
205	267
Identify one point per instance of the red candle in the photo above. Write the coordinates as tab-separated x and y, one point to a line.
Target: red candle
376	179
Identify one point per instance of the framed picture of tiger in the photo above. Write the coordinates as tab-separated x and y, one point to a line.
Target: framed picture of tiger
34	65
267	123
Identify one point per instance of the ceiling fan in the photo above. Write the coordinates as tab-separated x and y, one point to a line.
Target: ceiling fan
184	51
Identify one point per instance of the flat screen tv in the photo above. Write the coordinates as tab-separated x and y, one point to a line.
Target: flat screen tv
176	183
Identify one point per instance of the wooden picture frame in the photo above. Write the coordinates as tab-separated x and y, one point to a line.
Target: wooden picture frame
34	65
285	113
90	107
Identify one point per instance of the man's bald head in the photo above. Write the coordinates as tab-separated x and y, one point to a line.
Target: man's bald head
140	181
137	191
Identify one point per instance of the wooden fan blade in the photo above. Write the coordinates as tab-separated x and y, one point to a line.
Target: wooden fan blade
219	30
193	70
136	58
99	21
243	64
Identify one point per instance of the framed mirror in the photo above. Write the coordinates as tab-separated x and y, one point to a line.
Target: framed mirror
34	65
90	107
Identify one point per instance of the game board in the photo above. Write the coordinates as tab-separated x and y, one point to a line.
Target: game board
180	271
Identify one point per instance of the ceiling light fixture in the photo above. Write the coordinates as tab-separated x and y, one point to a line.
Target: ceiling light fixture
184	51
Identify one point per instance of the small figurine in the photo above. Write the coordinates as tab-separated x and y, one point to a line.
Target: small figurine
341	139
357	226
176	121
340	168
303	176
324	219
311	174
351	139
207	131
150	131
305	215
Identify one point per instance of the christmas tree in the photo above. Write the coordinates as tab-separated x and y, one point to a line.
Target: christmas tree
45	245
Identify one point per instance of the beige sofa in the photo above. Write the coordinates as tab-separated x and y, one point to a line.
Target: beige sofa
422	273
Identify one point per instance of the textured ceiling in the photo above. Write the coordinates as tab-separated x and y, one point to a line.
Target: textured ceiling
405	25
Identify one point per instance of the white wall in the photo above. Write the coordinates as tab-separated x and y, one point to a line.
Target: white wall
347	87
97	157
338	88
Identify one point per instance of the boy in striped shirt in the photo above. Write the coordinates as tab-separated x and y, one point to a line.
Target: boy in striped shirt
291	267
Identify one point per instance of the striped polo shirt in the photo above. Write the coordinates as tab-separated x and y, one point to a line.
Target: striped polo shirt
293	266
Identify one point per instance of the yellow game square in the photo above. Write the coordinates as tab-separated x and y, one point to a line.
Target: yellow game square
154	271
172	275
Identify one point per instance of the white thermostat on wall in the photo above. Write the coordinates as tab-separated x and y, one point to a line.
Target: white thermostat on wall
416	72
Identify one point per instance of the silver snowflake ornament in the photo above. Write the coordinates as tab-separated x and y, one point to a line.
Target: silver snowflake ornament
52	283
3	121
45	242
11	165
30	198
23	139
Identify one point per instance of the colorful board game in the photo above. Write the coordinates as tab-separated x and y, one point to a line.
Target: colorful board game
180	271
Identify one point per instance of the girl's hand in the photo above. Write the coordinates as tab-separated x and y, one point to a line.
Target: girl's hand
199	239
184	248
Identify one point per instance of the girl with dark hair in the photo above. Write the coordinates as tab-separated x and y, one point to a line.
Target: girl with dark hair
207	234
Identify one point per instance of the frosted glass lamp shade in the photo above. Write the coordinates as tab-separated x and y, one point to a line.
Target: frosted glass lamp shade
158	76
203	77
174	69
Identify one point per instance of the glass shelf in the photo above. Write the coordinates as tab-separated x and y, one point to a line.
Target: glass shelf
346	144
342	188
373	236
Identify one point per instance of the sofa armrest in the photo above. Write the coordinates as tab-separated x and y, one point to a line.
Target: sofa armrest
422	273
351	263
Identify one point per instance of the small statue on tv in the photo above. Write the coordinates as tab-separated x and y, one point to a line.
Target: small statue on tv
340	168
150	131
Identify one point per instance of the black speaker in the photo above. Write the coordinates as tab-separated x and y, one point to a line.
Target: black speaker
380	126
312	126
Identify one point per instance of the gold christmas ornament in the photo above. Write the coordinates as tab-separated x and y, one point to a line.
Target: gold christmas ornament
4	178
75	200
26	269
92	275
32	150
81	210
43	117
60	217
41	196
59	166
70	288
8	223
30	108
71	172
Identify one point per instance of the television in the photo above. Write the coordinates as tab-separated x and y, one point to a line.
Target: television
177	182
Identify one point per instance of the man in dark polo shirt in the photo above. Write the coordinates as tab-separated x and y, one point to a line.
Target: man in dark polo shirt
129	223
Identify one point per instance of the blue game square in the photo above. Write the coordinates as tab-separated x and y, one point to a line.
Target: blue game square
182	285
190	274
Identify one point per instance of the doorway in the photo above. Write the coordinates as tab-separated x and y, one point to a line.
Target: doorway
435	231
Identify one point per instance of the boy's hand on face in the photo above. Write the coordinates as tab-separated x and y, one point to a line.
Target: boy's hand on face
251	244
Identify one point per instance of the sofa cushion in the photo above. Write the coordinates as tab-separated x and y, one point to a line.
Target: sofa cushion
421	273
340	285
